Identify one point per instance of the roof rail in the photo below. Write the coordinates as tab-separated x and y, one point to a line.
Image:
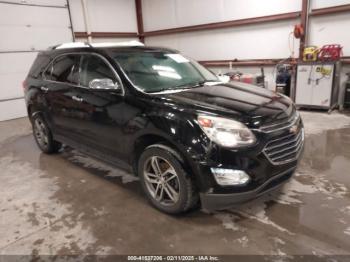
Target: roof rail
96	45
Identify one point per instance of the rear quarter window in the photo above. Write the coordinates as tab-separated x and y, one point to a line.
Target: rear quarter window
64	68
39	65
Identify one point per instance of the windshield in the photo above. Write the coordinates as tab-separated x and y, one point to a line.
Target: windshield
154	71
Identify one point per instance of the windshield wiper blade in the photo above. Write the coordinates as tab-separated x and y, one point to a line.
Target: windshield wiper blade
200	83
184	86
168	89
203	83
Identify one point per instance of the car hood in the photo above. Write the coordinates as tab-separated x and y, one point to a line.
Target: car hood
255	106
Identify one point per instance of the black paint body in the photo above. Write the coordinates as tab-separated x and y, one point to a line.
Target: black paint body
117	127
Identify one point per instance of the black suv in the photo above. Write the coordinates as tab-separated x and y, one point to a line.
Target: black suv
188	137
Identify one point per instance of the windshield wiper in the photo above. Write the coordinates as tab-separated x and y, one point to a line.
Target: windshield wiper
185	86
202	83
168	89
195	84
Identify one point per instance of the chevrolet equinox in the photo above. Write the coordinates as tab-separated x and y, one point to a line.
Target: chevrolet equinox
190	138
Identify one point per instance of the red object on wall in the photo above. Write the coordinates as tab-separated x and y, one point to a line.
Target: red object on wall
247	79
298	31
330	52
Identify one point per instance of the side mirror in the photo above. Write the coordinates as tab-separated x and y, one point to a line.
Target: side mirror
223	78
104	84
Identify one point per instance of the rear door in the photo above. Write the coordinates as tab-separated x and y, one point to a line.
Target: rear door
60	76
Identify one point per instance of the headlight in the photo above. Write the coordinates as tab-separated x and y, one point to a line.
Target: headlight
226	132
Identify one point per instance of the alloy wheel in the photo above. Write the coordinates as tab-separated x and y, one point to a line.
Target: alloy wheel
40	132
161	180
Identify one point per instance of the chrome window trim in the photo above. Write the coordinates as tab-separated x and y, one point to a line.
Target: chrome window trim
80	86
127	77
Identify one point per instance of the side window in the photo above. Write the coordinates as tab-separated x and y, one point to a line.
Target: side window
48	72
94	67
64	69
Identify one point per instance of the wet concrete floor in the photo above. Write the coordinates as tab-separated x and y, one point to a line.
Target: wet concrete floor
69	203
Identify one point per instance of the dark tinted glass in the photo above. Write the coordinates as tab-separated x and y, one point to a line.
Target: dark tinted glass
157	71
66	69
48	72
94	67
39	65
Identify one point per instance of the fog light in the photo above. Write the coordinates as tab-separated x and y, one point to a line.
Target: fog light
230	177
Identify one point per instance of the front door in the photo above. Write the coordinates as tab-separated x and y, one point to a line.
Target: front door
99	118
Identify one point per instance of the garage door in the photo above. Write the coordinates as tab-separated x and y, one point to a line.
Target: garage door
26	27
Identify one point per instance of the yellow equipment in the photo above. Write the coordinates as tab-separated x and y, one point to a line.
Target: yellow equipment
310	54
324	71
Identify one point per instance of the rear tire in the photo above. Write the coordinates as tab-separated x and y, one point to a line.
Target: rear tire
43	135
167	185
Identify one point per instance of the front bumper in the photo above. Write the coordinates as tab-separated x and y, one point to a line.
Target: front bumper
269	163
223	201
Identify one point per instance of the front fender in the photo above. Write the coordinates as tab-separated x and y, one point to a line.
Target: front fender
181	132
36	102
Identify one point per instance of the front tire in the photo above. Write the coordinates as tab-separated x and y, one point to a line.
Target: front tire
43	136
167	185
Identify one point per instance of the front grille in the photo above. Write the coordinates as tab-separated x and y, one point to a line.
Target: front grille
285	148
281	124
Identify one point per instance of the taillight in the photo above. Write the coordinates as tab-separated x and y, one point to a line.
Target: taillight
24	84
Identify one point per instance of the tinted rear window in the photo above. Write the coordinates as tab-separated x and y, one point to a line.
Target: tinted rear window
64	68
39	65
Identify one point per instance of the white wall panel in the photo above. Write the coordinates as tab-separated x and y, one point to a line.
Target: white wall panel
331	30
105	16
268	40
26	27
327	3
17	15
12	109
238	9
40	37
160	14
11	85
39	26
12	74
60	3
20	62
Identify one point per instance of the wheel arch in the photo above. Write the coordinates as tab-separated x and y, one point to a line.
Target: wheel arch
32	110
149	140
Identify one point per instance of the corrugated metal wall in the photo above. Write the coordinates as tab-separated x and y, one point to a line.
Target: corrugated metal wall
258	41
105	16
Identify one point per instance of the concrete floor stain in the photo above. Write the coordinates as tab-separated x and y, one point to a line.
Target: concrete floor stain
47	209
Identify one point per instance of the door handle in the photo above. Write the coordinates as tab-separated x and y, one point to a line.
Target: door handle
45	89
77	98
